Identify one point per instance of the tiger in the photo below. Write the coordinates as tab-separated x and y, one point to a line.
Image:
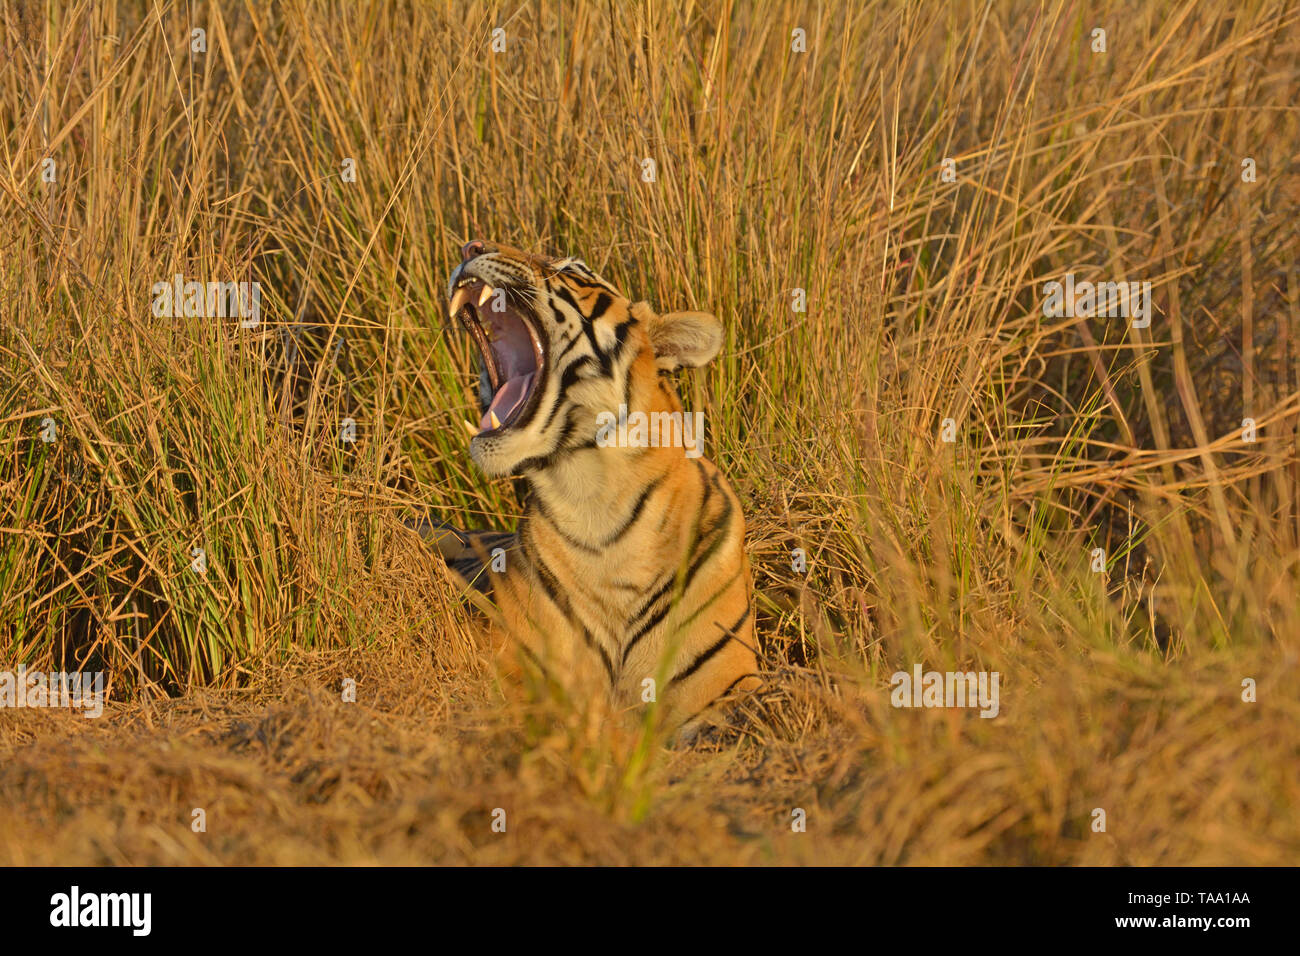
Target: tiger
627	570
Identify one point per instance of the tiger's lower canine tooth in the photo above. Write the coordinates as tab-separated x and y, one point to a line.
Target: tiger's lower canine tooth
459	299
473	432
485	294
496	422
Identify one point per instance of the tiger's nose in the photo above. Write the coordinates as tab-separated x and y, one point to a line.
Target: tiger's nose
471	249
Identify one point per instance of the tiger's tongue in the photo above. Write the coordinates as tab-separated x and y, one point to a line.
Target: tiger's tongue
508	398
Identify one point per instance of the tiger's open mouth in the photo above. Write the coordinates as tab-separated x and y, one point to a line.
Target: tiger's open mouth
508	341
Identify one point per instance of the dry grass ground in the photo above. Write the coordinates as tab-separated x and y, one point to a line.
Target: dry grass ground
775	170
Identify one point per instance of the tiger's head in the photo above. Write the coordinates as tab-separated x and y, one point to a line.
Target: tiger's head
558	346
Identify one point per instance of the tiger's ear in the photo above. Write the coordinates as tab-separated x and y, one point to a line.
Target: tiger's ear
684	339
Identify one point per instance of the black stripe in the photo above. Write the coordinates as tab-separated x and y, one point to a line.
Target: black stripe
488	539
583	275
620	337
645	628
572	303
717	535
568	539
607	359
570	374
565	351
668	512
704	657
603	302
589	330
550	585
604	655
653	599
650	602
718	697
732	685
542	462
471	555
634	514
555	407
627	389
474	572
535	659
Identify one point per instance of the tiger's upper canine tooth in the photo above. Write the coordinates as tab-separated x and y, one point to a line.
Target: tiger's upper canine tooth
485	294
460	297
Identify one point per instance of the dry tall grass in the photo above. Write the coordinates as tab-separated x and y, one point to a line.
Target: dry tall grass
775	170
